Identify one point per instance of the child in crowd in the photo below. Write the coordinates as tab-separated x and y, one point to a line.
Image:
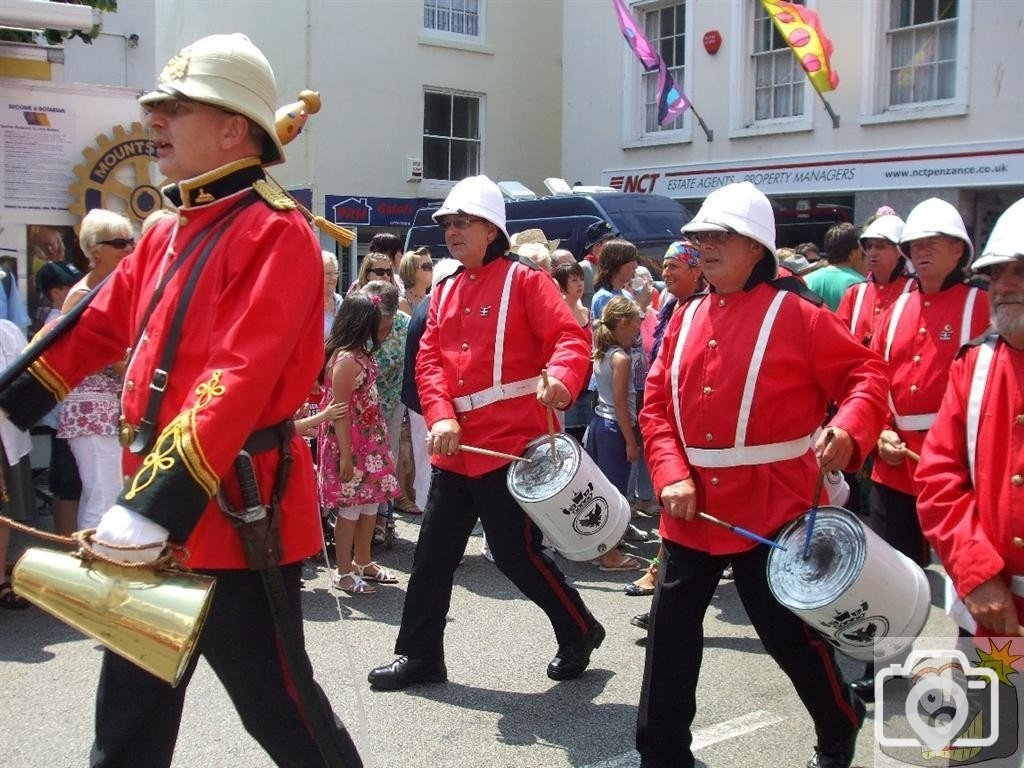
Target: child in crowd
613	438
356	470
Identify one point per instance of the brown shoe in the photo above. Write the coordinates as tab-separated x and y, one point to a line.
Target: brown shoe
407	506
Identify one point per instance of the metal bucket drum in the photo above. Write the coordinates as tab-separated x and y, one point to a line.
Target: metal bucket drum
864	597
579	510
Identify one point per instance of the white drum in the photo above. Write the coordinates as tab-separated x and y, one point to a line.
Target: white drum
867	599
579	510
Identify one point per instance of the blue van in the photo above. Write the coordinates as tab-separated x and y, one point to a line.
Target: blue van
651	222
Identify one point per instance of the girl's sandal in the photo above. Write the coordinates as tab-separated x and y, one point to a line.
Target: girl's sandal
380	575
356	585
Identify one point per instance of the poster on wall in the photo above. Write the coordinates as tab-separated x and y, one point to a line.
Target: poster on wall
39	152
61	143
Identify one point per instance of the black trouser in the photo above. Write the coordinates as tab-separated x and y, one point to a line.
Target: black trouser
687	579
453	506
138	715
894	518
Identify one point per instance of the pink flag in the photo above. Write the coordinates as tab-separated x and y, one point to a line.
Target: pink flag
672	102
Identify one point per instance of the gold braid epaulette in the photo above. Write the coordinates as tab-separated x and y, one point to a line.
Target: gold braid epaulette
273	195
179	440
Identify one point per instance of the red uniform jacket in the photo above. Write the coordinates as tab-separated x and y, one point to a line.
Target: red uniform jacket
810	359
976	521
457	354
251	346
929	333
876	299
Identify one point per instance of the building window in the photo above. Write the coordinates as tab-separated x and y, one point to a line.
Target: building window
665	28
459	17
922	39
451	135
778	79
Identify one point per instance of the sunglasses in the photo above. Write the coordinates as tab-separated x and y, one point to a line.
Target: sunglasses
702	239
381	271
121	243
459	223
427	266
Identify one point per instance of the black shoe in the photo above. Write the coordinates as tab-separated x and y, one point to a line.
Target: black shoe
864	688
839	754
571	660
641	620
403	672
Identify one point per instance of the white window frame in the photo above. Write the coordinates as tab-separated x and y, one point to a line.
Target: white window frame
742	108
443	185
448	35
634	133
875	107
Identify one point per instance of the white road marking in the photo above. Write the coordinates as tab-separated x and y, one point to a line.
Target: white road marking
704	737
730	729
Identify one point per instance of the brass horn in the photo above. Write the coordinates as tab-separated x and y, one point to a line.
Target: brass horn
152	618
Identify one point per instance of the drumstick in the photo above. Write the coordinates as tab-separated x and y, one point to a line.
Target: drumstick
740	531
495	454
551	418
906	451
829	434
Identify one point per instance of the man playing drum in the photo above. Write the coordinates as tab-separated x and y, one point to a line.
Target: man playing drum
739	388
491	328
201	385
971	474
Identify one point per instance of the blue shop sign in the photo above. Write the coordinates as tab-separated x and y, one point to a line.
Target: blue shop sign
373	211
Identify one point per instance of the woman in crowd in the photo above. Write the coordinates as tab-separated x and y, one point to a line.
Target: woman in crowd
332	299
616	266
415	271
390	358
90	413
569	277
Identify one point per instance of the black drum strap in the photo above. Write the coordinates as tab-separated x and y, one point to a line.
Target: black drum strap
146	434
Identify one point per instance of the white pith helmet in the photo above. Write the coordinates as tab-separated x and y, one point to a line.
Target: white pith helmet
888	227
935	217
741	208
229	72
1006	243
476	196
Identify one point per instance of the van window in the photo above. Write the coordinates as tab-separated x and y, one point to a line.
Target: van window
651	222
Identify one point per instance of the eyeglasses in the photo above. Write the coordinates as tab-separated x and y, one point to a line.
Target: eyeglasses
715	238
381	271
459	223
427	266
121	243
178	106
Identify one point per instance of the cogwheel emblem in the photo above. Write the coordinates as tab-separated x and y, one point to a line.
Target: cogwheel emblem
117	175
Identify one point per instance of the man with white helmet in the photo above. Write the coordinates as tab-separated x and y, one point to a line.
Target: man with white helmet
919	336
863	303
220	311
734	398
491	328
971	474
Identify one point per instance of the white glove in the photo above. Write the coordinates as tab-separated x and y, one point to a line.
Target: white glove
837	488
119	525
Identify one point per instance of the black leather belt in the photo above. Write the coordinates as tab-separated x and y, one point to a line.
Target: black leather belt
270	438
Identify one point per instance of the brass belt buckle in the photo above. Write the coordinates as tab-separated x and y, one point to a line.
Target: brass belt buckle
125	433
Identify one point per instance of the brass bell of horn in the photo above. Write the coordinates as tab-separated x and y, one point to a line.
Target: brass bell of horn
151	618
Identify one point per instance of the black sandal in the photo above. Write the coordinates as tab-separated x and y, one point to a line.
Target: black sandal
10	600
